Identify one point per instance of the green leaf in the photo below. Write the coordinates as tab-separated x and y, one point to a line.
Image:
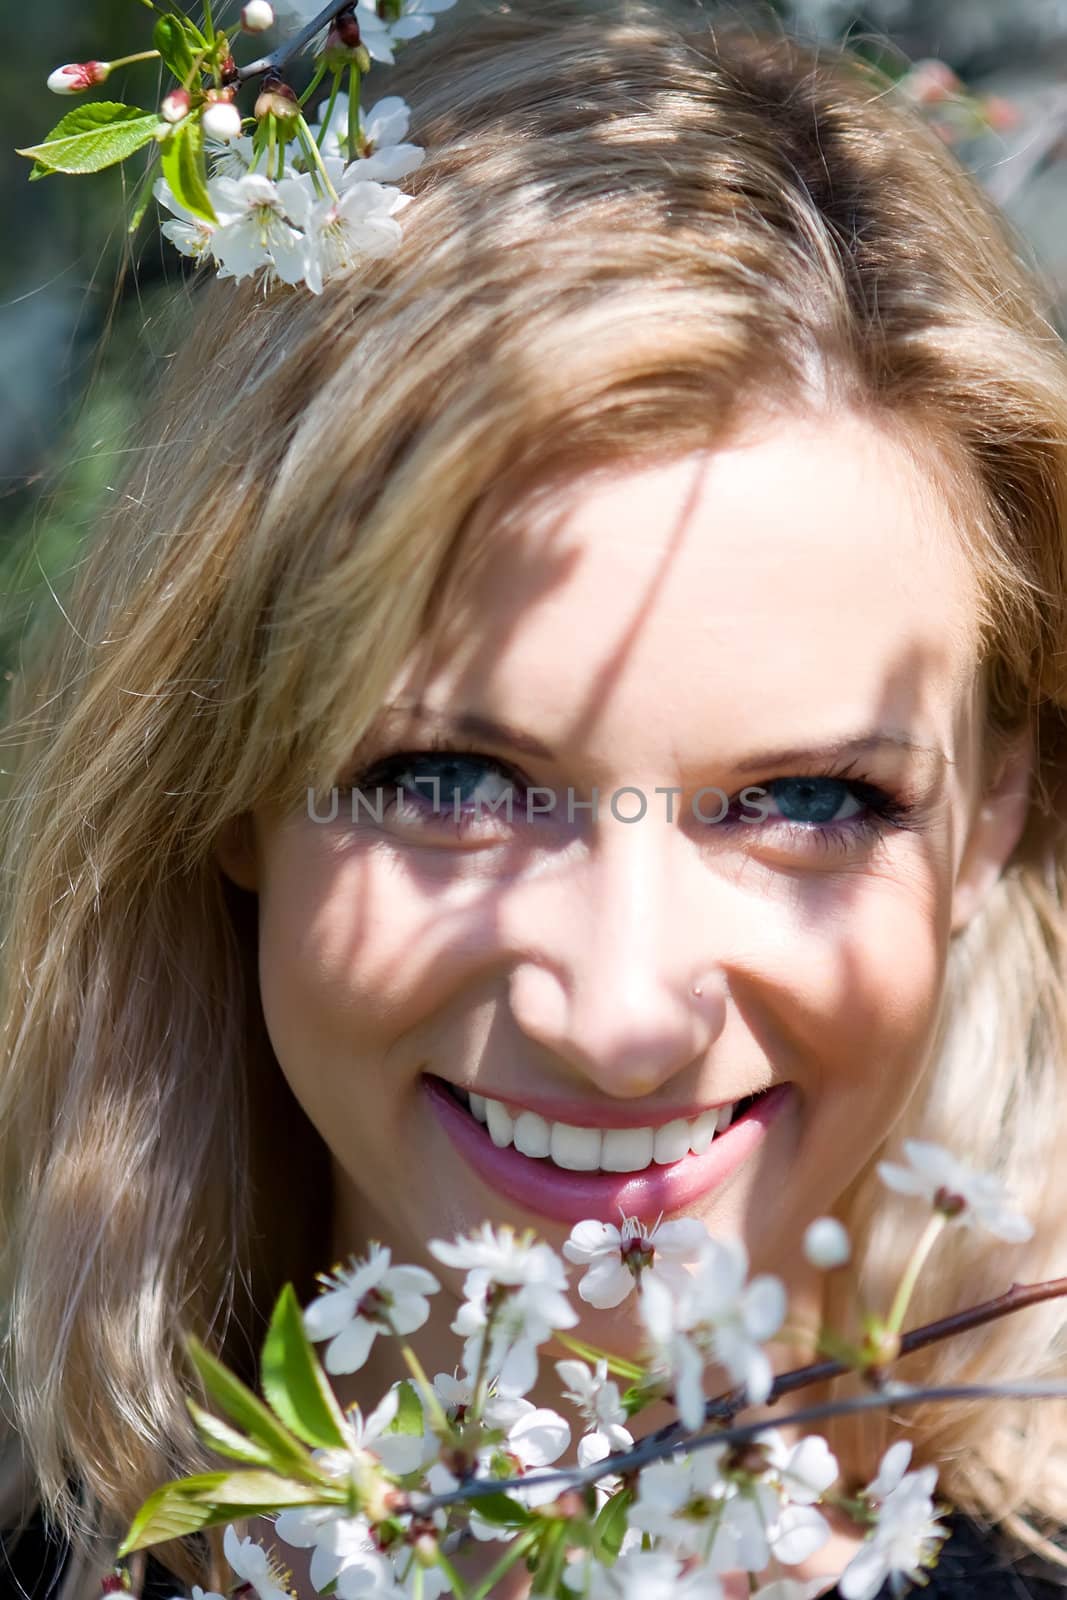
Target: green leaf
177	44
226	1440
259	1488
409	1417
92	137
610	1525
185	170
208	1499
498	1508
243	1407
293	1380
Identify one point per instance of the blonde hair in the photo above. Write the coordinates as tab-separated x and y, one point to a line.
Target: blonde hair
629	232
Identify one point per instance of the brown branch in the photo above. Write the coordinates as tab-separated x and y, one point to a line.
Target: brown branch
1017	1298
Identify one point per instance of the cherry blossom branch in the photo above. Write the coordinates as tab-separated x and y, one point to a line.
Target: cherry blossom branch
284	53
665	1441
1017	1298
657	1447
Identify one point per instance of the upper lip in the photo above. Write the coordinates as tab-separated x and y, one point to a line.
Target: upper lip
581	1114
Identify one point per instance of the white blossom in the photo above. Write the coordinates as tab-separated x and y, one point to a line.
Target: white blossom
935	1174
597	1398
190	234
906	1538
890	1472
618	1259
534	1438
338	233
343	1548
253	1564
826	1243
384	127
715	1316
256	232
515	1292
359	1302
651	1575
229	159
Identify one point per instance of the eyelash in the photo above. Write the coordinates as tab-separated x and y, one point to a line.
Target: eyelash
883	811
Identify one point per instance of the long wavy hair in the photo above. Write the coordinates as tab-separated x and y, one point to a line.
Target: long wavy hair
632	229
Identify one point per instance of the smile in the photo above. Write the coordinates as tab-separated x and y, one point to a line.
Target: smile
568	1171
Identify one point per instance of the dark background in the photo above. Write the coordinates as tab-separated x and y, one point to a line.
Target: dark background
82	322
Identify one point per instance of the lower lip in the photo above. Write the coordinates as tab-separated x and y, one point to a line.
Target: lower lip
549	1191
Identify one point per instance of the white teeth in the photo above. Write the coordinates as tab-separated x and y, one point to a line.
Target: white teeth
595	1149
704	1129
576	1149
501	1123
627	1149
533	1135
671	1142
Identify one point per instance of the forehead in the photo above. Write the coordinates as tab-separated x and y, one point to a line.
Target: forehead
808	575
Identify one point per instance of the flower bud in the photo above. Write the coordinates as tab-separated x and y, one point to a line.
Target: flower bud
346	27
176	105
277	99
222	120
77	76
930	82
257	16
425	1550
826	1243
344	41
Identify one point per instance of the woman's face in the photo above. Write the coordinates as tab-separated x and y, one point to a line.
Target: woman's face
791	616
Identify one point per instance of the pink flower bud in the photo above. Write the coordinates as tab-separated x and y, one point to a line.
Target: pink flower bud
1000	113
176	105
222	120
77	76
930	82
257	16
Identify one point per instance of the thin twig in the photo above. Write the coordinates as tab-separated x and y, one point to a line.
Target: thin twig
665	1441
278	58
655	1448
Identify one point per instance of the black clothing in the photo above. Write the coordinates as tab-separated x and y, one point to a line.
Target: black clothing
973	1565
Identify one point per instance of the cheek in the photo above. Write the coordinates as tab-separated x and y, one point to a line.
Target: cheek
864	983
352	951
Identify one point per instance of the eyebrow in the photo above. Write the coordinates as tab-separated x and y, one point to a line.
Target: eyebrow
472	724
469	724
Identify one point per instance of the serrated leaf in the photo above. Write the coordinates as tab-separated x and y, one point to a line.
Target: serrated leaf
226	1440
92	137
184	169
410	1418
208	1498
293	1380
233	1397
610	1524
261	1488
177	45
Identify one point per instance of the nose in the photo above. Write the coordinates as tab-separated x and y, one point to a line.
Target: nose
613	974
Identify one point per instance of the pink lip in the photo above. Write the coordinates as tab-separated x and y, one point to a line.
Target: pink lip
549	1191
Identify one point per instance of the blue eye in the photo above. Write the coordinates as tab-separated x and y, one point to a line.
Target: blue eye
815	801
445	781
